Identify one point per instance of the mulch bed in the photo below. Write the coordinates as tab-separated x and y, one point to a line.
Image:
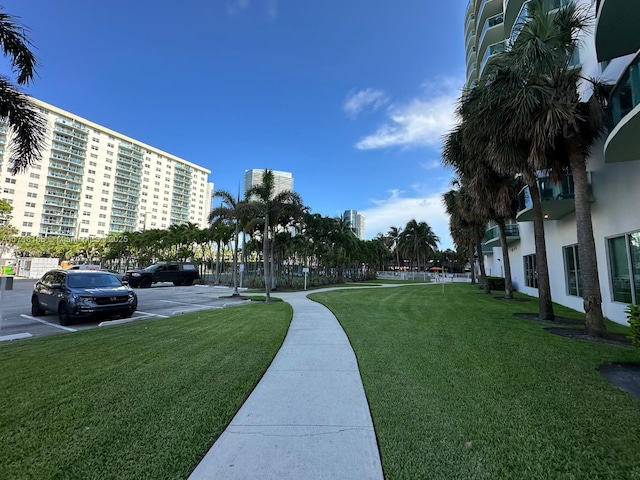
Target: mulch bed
623	375
558	320
611	338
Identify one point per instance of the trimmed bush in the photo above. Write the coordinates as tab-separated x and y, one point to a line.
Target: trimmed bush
496	283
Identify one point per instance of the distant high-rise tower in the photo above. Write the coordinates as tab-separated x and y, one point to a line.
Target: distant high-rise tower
355	221
282	180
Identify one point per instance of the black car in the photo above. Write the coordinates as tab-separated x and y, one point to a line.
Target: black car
82	294
179	273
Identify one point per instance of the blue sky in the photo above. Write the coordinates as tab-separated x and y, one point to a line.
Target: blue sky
352	96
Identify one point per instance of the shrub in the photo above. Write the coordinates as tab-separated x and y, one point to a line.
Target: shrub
633	314
495	283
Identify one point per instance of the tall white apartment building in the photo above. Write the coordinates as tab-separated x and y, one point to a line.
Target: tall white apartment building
93	181
610	51
355	222
282	180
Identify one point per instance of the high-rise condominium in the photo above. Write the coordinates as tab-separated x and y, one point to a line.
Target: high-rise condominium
282	180
93	181
609	51
355	221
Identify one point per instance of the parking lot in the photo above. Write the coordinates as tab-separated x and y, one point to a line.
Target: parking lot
162	300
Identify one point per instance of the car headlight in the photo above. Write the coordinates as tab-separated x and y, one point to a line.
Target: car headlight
135	274
80	301
131	296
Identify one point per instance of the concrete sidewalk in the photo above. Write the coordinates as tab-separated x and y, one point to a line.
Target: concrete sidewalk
308	418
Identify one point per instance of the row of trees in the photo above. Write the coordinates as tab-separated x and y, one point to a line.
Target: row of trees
525	118
273	228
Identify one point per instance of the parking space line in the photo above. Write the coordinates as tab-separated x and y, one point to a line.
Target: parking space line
186	303
61	327
152	314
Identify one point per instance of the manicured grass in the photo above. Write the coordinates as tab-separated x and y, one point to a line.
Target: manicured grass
459	388
144	400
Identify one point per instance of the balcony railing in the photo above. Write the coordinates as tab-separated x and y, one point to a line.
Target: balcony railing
492	50
490	23
626	94
511	230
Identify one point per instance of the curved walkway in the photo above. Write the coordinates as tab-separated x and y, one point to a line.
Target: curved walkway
308	417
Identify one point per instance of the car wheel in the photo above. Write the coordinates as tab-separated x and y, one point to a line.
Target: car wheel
176	283
187	281
145	283
36	309
129	313
64	315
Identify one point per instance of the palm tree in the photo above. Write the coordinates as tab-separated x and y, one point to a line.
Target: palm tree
230	210
494	194
25	121
418	241
394	235
535	86
268	206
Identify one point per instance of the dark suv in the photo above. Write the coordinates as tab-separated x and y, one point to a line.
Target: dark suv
81	294
180	273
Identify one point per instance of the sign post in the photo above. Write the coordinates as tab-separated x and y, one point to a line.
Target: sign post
306	272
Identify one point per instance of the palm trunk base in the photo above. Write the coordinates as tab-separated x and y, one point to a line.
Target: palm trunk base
594	321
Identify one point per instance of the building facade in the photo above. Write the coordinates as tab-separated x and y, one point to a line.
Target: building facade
355	221
283	181
92	181
611	52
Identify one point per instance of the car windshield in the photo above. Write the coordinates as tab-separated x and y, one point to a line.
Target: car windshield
94	280
153	268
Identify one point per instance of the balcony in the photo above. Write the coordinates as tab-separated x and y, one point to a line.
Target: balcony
488	9
624	117
470	22
492	235
490	52
557	200
492	32
470	36
616	31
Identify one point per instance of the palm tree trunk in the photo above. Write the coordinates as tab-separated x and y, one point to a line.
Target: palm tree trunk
483	271
235	263
273	263
589	279
508	285
244	258
545	303
472	263
265	260
218	262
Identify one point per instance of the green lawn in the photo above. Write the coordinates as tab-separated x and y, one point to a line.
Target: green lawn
461	389
143	400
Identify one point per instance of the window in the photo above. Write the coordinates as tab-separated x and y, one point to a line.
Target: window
27	224
85	222
89	197
10	180
102	215
34	175
8	190
29	214
92	172
624	264
530	271
572	270
30	204
110	145
32	195
94	147
84	230
93	155
33	185
86	214
90	189
101	224
102	207
110	153
87	204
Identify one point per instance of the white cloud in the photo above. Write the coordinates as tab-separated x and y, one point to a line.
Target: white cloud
431	165
356	102
272	9
398	209
234	7
421	122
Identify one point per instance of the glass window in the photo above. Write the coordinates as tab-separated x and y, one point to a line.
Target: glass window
624	264
530	271
572	270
